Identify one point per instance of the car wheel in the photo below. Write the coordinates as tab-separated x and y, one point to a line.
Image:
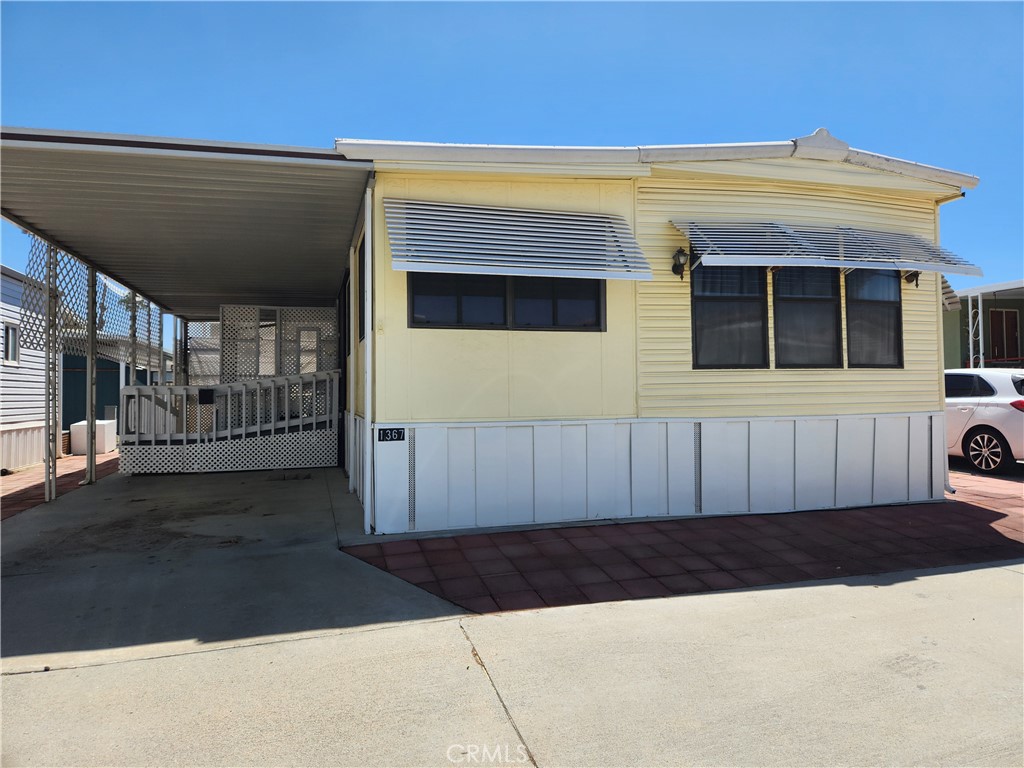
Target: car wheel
987	451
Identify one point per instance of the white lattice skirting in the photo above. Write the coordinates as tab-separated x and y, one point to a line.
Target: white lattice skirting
293	451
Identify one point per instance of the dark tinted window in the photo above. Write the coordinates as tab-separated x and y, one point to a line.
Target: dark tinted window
1018	383
457	300
959	385
361	278
549	302
874	323
807	317
479	301
730	317
984	389
967	385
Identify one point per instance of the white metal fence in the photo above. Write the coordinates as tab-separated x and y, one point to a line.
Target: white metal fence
268	423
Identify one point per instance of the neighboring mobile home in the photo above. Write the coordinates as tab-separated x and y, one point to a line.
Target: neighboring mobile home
983	328
22	379
553	333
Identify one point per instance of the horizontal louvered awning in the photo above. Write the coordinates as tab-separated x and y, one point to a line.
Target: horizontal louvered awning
474	239
772	244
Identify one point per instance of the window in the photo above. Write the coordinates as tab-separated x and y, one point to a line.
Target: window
443	300
807	318
874	326
360	288
730	317
549	302
967	385
12	344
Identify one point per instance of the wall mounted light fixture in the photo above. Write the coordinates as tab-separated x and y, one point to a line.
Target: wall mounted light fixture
679	261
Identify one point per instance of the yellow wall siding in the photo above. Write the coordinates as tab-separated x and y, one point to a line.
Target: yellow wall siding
669	387
433	374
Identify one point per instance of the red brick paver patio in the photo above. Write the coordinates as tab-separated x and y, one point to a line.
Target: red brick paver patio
24	489
510	570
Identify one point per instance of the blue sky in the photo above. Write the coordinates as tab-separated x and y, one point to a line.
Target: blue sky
938	83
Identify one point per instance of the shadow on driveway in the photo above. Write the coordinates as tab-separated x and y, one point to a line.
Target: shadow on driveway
143	566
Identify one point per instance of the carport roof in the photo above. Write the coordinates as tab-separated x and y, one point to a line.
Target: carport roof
189	224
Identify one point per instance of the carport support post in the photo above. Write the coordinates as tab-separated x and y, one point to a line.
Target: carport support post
161	373
368	362
90	384
133	338
50	338
351	325
184	352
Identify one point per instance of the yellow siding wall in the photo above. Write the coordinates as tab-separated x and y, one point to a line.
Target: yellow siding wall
432	374
668	387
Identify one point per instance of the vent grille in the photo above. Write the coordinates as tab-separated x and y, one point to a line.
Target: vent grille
412	479
696	469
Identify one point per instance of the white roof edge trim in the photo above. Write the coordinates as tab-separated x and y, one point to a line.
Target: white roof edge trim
1009	285
909	168
185	154
227	146
820	145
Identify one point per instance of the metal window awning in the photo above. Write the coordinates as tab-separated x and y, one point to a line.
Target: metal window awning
471	239
774	244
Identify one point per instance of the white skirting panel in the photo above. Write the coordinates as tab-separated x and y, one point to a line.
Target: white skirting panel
445	476
22	445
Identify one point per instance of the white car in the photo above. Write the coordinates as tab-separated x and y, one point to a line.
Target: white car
985	416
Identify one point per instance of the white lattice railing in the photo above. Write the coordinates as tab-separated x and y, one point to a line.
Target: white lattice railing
187	415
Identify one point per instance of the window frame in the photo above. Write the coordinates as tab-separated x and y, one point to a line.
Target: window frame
16	331
509	324
899	364
762	300
837	301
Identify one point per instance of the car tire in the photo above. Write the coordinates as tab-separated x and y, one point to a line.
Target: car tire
987	451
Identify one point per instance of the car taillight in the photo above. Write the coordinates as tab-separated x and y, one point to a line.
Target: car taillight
1018	404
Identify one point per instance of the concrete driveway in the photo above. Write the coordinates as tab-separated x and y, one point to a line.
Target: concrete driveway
138	567
221	626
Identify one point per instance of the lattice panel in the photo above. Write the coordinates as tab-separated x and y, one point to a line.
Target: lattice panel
203	354
295	320
239	340
151	459
71	311
293	451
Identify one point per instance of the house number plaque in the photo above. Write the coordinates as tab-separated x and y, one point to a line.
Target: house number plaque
390	434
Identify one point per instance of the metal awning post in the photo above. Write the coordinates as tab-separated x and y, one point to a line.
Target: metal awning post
90	383
133	338
970	332
367	287
184	352
175	376
352	325
162	372
50	476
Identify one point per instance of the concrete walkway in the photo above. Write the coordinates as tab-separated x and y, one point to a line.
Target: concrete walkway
23	489
921	671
